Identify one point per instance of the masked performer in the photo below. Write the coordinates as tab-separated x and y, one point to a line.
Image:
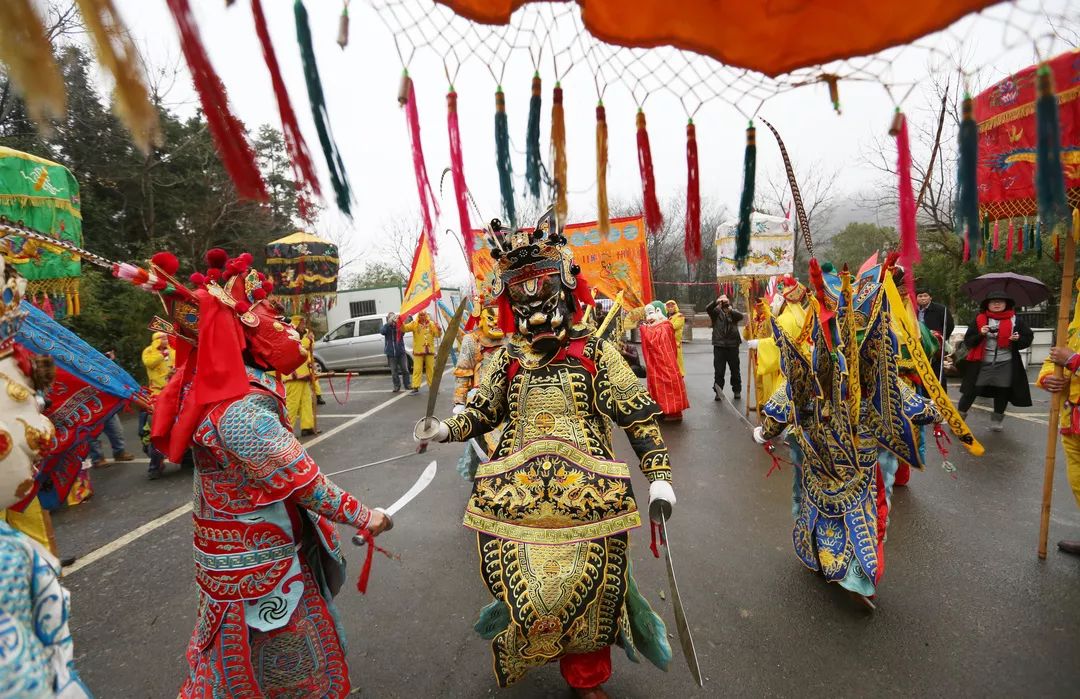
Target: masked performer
790	307
552	510
38	653
841	399
425	343
267	560
483	336
659	347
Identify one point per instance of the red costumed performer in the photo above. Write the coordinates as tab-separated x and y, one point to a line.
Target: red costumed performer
267	559
660	349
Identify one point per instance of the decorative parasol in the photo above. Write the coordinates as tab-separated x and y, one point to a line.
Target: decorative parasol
1024	290
44	196
304	269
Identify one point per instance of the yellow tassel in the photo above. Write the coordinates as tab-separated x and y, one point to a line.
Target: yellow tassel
558	146
28	56
601	172
1076	226
117	54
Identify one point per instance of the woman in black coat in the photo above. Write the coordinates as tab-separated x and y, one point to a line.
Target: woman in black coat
993	367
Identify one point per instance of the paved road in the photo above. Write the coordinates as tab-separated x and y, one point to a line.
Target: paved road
965	608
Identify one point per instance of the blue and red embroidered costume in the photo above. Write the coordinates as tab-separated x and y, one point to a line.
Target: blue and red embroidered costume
267	560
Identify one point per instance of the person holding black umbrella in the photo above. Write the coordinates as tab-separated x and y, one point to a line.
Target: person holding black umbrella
993	367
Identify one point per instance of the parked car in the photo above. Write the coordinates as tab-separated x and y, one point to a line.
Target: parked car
354	344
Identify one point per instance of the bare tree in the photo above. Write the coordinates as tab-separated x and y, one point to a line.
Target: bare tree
817	187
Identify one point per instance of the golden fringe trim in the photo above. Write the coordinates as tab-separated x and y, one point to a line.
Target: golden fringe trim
117	54
26	52
552	537
304	258
30	200
1024	110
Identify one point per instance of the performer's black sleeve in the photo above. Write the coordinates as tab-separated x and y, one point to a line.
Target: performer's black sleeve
486	409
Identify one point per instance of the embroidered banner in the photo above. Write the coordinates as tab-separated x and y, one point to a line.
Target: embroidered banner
423	286
772	248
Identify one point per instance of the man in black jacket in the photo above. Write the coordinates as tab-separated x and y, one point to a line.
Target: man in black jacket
725	341
938	320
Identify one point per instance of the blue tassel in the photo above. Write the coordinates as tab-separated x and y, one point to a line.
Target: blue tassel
968	194
746	203
1037	227
1049	177
502	158
532	141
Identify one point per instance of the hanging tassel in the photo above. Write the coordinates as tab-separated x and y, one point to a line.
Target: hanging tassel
338	177
457	172
602	217
27	56
654	220
967	250
558	147
833	81
692	241
746	203
1049	177
343	26
1057	246
1029	227
1009	243
227	131
997	236
295	146
909	235
1037	238
117	54
968	200
987	249
429	206
532	141
502	158
1019	238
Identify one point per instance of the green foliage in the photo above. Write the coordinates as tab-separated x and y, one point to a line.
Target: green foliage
178	198
375	274
857	242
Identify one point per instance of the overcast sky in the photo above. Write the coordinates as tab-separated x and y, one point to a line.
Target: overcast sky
361	85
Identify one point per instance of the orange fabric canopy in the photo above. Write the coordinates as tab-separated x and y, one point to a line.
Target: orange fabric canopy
770	36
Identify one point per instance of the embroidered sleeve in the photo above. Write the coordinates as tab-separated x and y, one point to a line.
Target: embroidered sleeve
323	497
465	369
486	409
649	446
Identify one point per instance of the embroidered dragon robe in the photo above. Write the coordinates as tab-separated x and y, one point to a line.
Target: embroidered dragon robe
267	558
552	509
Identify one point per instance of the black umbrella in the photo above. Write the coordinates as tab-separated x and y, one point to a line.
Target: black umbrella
1024	290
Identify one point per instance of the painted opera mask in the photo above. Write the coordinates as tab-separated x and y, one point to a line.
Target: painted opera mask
543	310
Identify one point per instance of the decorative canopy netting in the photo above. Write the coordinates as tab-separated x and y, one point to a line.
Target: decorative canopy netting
555	38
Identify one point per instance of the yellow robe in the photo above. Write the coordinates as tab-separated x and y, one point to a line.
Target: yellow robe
678	322
791	320
299	391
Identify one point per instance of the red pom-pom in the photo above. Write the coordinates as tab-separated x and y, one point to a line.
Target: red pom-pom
198	278
242	307
262	277
258	294
166	262
241	265
216	257
213	274
268	286
159	284
246	258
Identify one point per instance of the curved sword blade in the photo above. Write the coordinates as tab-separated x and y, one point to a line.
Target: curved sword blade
686	640
444	352
418	487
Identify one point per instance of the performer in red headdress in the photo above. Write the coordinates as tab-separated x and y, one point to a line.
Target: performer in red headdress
267	559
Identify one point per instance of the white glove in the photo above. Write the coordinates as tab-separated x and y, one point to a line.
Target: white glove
661	492
458	407
429	429
752	344
759	435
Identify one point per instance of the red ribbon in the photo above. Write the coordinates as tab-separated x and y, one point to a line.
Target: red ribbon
330	383
372	547
655	535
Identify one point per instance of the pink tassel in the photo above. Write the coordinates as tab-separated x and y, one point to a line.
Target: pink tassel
1009	243
1019	237
300	159
457	172
909	234
428	204
997	236
692	242
967	250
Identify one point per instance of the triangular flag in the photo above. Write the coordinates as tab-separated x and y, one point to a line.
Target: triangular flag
423	286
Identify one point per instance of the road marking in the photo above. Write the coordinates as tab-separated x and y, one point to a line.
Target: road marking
139	532
1029	417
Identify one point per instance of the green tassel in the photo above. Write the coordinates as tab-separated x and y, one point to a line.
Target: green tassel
502	158
746	203
334	163
494	618
532	141
968	195
986	237
647	631
1049	177
1038	239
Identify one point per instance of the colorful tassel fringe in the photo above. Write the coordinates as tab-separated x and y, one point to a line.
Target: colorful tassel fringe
27	55
996	239
692	242
654	220
968	200
457	173
227	131
1049	177
602	216
746	203
295	146
909	235
339	179
1009	243
532	141
116	53
502	158
429	205
558	149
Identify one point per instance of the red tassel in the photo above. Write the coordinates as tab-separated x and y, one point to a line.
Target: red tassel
770	449
1019	237
457	172
692	242
299	158
227	131
909	234
506	314
654	220
428	204
583	296
654	529
1009	243
967	250
997	236
365	572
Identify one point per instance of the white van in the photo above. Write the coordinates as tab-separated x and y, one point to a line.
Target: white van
354	344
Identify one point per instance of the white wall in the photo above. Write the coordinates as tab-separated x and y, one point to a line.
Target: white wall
387	299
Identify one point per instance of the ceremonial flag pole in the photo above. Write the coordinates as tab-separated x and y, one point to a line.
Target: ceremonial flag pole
1068	275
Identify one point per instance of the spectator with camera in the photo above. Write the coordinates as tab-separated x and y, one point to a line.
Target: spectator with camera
725	340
